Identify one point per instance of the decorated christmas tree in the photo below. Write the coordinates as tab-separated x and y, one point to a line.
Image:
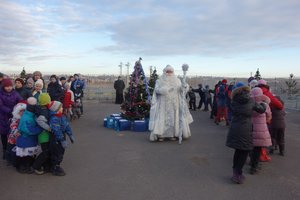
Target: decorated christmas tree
257	75
152	81
137	96
291	86
23	74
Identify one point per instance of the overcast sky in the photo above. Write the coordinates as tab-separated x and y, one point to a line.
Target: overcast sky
214	37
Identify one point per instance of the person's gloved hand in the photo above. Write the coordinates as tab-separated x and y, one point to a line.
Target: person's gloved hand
72	139
64	144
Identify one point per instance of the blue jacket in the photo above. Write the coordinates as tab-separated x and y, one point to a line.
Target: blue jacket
29	130
59	126
221	96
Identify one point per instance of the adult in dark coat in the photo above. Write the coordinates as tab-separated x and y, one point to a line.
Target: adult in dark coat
54	89
21	89
119	86
277	128
240	132
8	99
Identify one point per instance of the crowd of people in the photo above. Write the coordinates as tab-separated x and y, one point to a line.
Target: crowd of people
33	123
255	116
33	120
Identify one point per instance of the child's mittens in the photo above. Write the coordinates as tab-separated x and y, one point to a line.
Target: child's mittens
72	139
64	144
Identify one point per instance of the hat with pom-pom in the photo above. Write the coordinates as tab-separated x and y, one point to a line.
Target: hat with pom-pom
54	106
17	109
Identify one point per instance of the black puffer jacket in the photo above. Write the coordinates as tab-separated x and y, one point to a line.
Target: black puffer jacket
55	91
240	132
24	92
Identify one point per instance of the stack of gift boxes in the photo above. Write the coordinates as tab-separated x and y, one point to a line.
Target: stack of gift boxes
115	121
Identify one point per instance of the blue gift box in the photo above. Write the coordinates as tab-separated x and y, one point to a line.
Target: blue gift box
110	122
116	123
124	125
105	122
140	125
115	115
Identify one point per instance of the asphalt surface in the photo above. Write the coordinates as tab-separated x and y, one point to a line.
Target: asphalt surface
108	165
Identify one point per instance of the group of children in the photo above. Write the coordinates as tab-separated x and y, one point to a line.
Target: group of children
256	124
33	126
256	120
205	97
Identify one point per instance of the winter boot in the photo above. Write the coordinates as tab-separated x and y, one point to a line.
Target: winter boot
264	156
58	171
242	178
253	170
235	177
281	149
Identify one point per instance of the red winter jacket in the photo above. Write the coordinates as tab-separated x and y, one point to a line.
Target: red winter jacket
69	99
275	103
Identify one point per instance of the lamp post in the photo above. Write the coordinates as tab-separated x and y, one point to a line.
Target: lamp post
121	65
127	75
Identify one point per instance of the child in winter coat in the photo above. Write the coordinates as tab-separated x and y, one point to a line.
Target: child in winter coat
261	135
38	89
192	97
221	102
240	132
78	95
59	127
278	129
8	99
208	99
275	103
68	99
27	142
42	162
14	133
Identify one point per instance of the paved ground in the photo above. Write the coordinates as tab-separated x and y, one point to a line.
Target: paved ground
107	165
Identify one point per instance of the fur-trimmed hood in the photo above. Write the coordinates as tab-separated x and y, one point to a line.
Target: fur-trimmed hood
241	94
240	90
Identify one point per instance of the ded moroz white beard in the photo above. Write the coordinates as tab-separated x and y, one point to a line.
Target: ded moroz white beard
170	80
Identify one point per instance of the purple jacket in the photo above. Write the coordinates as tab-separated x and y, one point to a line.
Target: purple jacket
261	135
7	103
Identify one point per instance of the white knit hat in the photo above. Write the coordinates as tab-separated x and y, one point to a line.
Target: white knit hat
17	109
39	81
253	83
31	101
54	106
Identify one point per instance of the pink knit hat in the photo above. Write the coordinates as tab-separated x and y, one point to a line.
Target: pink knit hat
262	82
258	96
